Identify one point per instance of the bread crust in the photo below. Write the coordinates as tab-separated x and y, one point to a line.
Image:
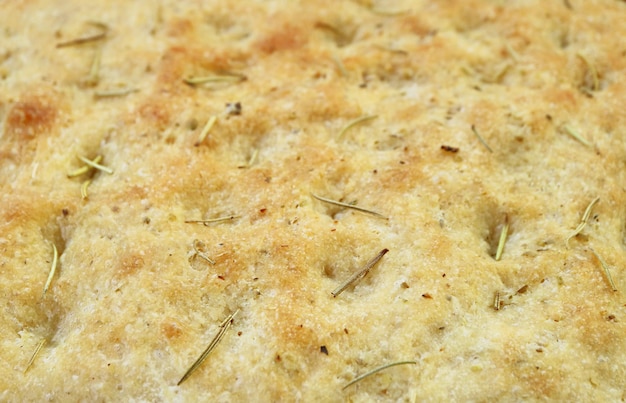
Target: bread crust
131	306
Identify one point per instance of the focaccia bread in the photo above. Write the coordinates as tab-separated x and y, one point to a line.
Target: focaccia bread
482	143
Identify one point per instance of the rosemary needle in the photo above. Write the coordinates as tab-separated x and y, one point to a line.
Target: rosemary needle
569	130
357	208
583	221
84	169
86	39
606	269
83	189
95	165
595	86
212	220
207	128
359	274
224	326
53	269
253	157
114	93
32	357
480	138
355	122
94	73
375	370
104	29
496	301
214	79
197	252
502	241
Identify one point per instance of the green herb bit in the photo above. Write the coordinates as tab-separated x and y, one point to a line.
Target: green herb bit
496	301
595	80
359	274
227	78
84	169
53	269
606	269
212	220
95	165
351	206
83	189
569	130
114	93
206	129
375	370
355	122
583	221
224	326
480	138
32	358
502	241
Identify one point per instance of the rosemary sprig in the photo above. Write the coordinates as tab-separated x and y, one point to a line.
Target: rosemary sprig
503	235
224	78
96	165
224	326
212	220
83	189
606	269
583	221
569	130
32	357
375	370
84	169
480	138
206	129
114	93
359	274
355	122
53	269
351	206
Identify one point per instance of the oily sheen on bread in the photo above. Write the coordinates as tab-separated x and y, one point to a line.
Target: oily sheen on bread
489	137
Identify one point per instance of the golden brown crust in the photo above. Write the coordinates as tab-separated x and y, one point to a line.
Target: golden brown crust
132	304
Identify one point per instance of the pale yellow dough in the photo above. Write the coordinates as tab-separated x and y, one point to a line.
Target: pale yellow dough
132	306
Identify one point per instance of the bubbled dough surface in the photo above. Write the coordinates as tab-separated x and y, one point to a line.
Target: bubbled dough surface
127	313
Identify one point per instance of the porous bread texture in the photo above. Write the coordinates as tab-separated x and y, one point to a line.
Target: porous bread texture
130	308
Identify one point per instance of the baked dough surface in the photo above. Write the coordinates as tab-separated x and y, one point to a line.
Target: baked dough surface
131	307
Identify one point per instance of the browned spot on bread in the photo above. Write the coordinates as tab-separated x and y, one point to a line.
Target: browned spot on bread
30	117
414	24
171	329
179	27
287	38
129	264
